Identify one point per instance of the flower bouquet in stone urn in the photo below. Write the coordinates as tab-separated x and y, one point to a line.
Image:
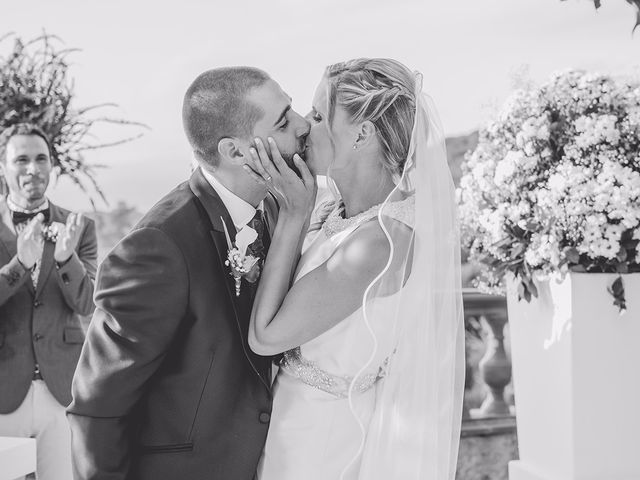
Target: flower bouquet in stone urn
554	185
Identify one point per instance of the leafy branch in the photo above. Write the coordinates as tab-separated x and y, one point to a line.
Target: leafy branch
635	3
35	87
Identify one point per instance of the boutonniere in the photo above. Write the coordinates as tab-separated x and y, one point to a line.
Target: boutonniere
241	265
50	233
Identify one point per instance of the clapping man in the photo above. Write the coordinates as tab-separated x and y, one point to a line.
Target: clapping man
47	268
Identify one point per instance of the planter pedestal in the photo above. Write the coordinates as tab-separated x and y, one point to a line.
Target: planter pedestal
576	366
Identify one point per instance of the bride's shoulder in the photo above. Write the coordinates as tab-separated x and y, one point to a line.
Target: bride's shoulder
368	247
402	211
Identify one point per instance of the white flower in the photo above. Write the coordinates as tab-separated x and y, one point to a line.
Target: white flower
532	257
581	123
543	132
543	248
557	182
633	115
529	149
530	128
245	237
506	168
607	130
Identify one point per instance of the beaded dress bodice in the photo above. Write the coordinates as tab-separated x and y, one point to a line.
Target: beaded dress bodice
328	362
402	211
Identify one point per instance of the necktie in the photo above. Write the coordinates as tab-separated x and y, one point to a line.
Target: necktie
23	217
260	245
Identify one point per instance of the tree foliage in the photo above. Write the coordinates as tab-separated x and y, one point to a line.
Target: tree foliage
635	3
35	87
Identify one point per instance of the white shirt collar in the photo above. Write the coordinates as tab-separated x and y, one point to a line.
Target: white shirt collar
15	208
240	211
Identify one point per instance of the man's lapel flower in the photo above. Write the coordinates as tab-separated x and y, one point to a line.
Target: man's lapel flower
51	232
241	265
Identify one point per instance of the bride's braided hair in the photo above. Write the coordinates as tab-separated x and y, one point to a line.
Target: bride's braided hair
381	91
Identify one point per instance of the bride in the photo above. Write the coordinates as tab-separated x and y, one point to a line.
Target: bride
369	317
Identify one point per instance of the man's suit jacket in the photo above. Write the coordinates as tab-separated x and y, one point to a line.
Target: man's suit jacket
43	324
167	387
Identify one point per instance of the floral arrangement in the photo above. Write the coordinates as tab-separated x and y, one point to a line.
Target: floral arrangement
554	184
35	87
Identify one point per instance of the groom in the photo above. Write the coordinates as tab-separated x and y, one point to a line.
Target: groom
167	387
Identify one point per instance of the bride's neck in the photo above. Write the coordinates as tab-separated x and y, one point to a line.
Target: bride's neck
364	189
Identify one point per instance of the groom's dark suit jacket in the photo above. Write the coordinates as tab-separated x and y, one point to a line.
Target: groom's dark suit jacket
167	387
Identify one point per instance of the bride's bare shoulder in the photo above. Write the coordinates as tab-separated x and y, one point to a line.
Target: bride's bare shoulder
368	247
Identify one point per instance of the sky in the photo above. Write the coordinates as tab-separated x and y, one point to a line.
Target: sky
142	55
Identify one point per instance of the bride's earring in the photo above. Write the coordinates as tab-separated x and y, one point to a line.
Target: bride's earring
355	145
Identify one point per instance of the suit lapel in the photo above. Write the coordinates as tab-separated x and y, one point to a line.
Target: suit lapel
47	261
219	217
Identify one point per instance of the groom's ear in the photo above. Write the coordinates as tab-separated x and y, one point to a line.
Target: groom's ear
229	149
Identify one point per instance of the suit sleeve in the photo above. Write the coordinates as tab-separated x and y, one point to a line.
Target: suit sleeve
12	277
141	297
76	277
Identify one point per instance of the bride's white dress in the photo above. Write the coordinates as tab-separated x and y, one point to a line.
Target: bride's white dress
313	433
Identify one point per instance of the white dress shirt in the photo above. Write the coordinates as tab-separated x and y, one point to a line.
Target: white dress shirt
239	210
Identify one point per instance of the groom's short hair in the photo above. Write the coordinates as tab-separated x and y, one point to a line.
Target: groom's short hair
216	106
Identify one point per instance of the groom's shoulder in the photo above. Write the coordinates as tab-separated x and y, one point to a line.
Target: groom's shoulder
173	213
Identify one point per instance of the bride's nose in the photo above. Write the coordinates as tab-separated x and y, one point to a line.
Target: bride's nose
303	129
309	116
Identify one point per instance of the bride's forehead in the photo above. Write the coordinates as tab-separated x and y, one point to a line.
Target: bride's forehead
320	103
320	96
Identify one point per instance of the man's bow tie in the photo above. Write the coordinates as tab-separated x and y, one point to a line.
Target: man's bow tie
21	217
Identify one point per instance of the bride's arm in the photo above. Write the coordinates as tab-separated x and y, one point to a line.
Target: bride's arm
320	299
281	318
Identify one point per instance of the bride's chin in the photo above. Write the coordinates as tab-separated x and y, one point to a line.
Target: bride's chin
316	166
310	163
317	171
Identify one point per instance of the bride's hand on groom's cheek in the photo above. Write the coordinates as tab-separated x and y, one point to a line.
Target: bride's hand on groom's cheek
295	194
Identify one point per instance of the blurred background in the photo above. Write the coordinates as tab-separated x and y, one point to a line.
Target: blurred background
142	56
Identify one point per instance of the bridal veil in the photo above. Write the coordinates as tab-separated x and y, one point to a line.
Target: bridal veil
415	428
